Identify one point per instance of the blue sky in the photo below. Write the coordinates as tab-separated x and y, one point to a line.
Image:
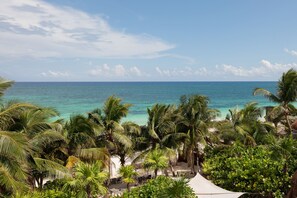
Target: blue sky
168	40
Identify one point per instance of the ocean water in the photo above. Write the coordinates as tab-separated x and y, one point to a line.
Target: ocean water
80	97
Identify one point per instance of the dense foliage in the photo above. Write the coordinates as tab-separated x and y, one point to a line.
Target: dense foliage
161	187
244	151
249	169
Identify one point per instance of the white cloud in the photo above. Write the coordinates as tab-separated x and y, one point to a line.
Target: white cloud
55	74
185	72
292	52
118	71
136	71
265	69
36	28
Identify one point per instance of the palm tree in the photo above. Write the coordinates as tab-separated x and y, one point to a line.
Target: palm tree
286	94
11	111
162	128
245	126
196	118
14	151
128	174
34	121
81	134
112	132
178	189
4	84
88	180
156	160
132	131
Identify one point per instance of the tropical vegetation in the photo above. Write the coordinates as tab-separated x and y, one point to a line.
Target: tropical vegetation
44	156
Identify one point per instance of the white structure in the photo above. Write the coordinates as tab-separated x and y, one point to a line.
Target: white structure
203	188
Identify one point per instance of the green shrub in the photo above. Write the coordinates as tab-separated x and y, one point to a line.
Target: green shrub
249	169
161	187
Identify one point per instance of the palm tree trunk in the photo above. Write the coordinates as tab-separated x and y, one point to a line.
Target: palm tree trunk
128	187
40	183
156	173
288	123
122	160
172	169
192	162
88	191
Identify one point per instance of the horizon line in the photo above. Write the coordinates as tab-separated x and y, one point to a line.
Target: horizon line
142	81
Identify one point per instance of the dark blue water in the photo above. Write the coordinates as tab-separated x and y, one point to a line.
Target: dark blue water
80	97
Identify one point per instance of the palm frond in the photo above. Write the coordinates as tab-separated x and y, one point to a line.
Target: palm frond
52	168
4	84
270	96
94	154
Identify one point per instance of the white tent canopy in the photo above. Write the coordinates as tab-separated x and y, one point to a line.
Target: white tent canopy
203	188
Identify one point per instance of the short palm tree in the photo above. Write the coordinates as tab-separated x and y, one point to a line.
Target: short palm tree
178	189
286	94
156	160
128	174
88	180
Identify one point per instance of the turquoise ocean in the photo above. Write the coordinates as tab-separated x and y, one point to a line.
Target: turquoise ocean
80	97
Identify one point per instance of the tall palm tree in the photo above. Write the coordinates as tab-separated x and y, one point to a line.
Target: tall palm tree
245	126
162	128
11	111
112	135
286	94
156	160
133	132
196	118
88	180
34	121
81	134
14	151
4	84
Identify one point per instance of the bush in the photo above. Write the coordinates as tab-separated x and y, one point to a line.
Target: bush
249	169
161	187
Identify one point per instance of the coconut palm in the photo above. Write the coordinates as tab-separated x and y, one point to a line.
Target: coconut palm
286	94
4	84
34	121
128	174
81	134
11	111
162	128
14	151
196	118
132	131
112	135
245	126
110	123
88	180
156	160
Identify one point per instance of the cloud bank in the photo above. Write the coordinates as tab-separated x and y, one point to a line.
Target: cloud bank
266	69
34	28
117	71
